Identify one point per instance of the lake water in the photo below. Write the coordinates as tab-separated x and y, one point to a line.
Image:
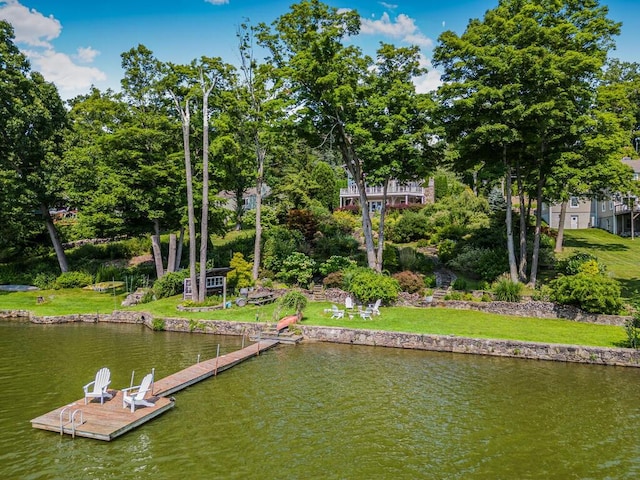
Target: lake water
317	411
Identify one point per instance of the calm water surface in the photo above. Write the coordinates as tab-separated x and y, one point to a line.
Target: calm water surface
318	411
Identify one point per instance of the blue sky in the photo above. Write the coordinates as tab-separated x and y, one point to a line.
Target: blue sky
76	44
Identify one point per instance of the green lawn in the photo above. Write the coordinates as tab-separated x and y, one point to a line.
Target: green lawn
620	255
438	321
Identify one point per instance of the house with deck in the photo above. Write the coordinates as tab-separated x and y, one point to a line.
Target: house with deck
618	213
398	194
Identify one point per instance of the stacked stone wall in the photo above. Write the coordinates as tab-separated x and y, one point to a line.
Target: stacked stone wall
377	338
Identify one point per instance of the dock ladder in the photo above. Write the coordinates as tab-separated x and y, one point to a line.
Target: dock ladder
71	419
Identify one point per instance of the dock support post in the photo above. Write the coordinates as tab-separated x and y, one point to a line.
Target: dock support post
215	372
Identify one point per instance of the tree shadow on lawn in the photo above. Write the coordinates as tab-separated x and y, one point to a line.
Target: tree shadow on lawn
580	243
630	287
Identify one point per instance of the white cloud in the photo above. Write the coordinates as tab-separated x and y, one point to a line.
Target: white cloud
36	32
388	6
217	2
60	69
86	54
430	81
403	28
30	26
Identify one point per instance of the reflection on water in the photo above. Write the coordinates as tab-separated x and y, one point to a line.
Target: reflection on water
318	411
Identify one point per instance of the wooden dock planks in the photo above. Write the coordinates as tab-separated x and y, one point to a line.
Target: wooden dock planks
108	421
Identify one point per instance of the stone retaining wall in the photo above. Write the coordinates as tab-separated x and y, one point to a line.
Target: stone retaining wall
501	348
441	343
538	310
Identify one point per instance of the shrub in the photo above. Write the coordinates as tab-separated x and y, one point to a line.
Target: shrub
459	284
407	258
409	282
410	227
302	221
333	280
591	293
109	273
297	269
390	259
505	290
170	284
241	275
632	329
573	264
158	324
446	250
44	281
279	244
337	244
346	221
73	280
294	300
368	286
430	281
336	263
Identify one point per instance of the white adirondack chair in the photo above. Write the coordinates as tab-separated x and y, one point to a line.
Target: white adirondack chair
134	396
366	314
375	308
98	388
336	312
348	303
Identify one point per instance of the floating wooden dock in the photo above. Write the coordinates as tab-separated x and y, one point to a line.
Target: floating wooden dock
110	420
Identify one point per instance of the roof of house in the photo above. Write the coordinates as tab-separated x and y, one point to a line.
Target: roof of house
635	164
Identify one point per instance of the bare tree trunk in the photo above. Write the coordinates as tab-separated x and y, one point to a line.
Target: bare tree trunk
522	264
157	255
171	260
513	270
535	258
204	221
383	212
179	249
239	210
560	237
355	169
55	238
257	246
186	121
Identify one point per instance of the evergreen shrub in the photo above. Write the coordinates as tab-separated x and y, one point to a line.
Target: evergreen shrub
368	286
170	284
591	293
73	280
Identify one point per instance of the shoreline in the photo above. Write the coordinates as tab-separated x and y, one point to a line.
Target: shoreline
624	357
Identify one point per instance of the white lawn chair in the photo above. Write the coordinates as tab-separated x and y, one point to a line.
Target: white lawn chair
336	312
98	386
134	396
348	303
366	313
375	308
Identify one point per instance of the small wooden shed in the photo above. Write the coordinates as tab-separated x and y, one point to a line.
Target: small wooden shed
216	282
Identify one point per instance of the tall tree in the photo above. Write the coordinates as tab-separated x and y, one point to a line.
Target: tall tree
517	84
32	122
392	130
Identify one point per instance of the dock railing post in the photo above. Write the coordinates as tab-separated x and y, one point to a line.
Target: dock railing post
215	372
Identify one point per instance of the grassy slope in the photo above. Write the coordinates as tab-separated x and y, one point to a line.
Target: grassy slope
620	255
438	321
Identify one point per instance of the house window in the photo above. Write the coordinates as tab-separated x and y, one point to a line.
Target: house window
611	205
604	206
213	282
573	202
375	206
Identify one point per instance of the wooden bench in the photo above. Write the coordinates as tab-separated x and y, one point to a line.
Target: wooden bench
261	299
